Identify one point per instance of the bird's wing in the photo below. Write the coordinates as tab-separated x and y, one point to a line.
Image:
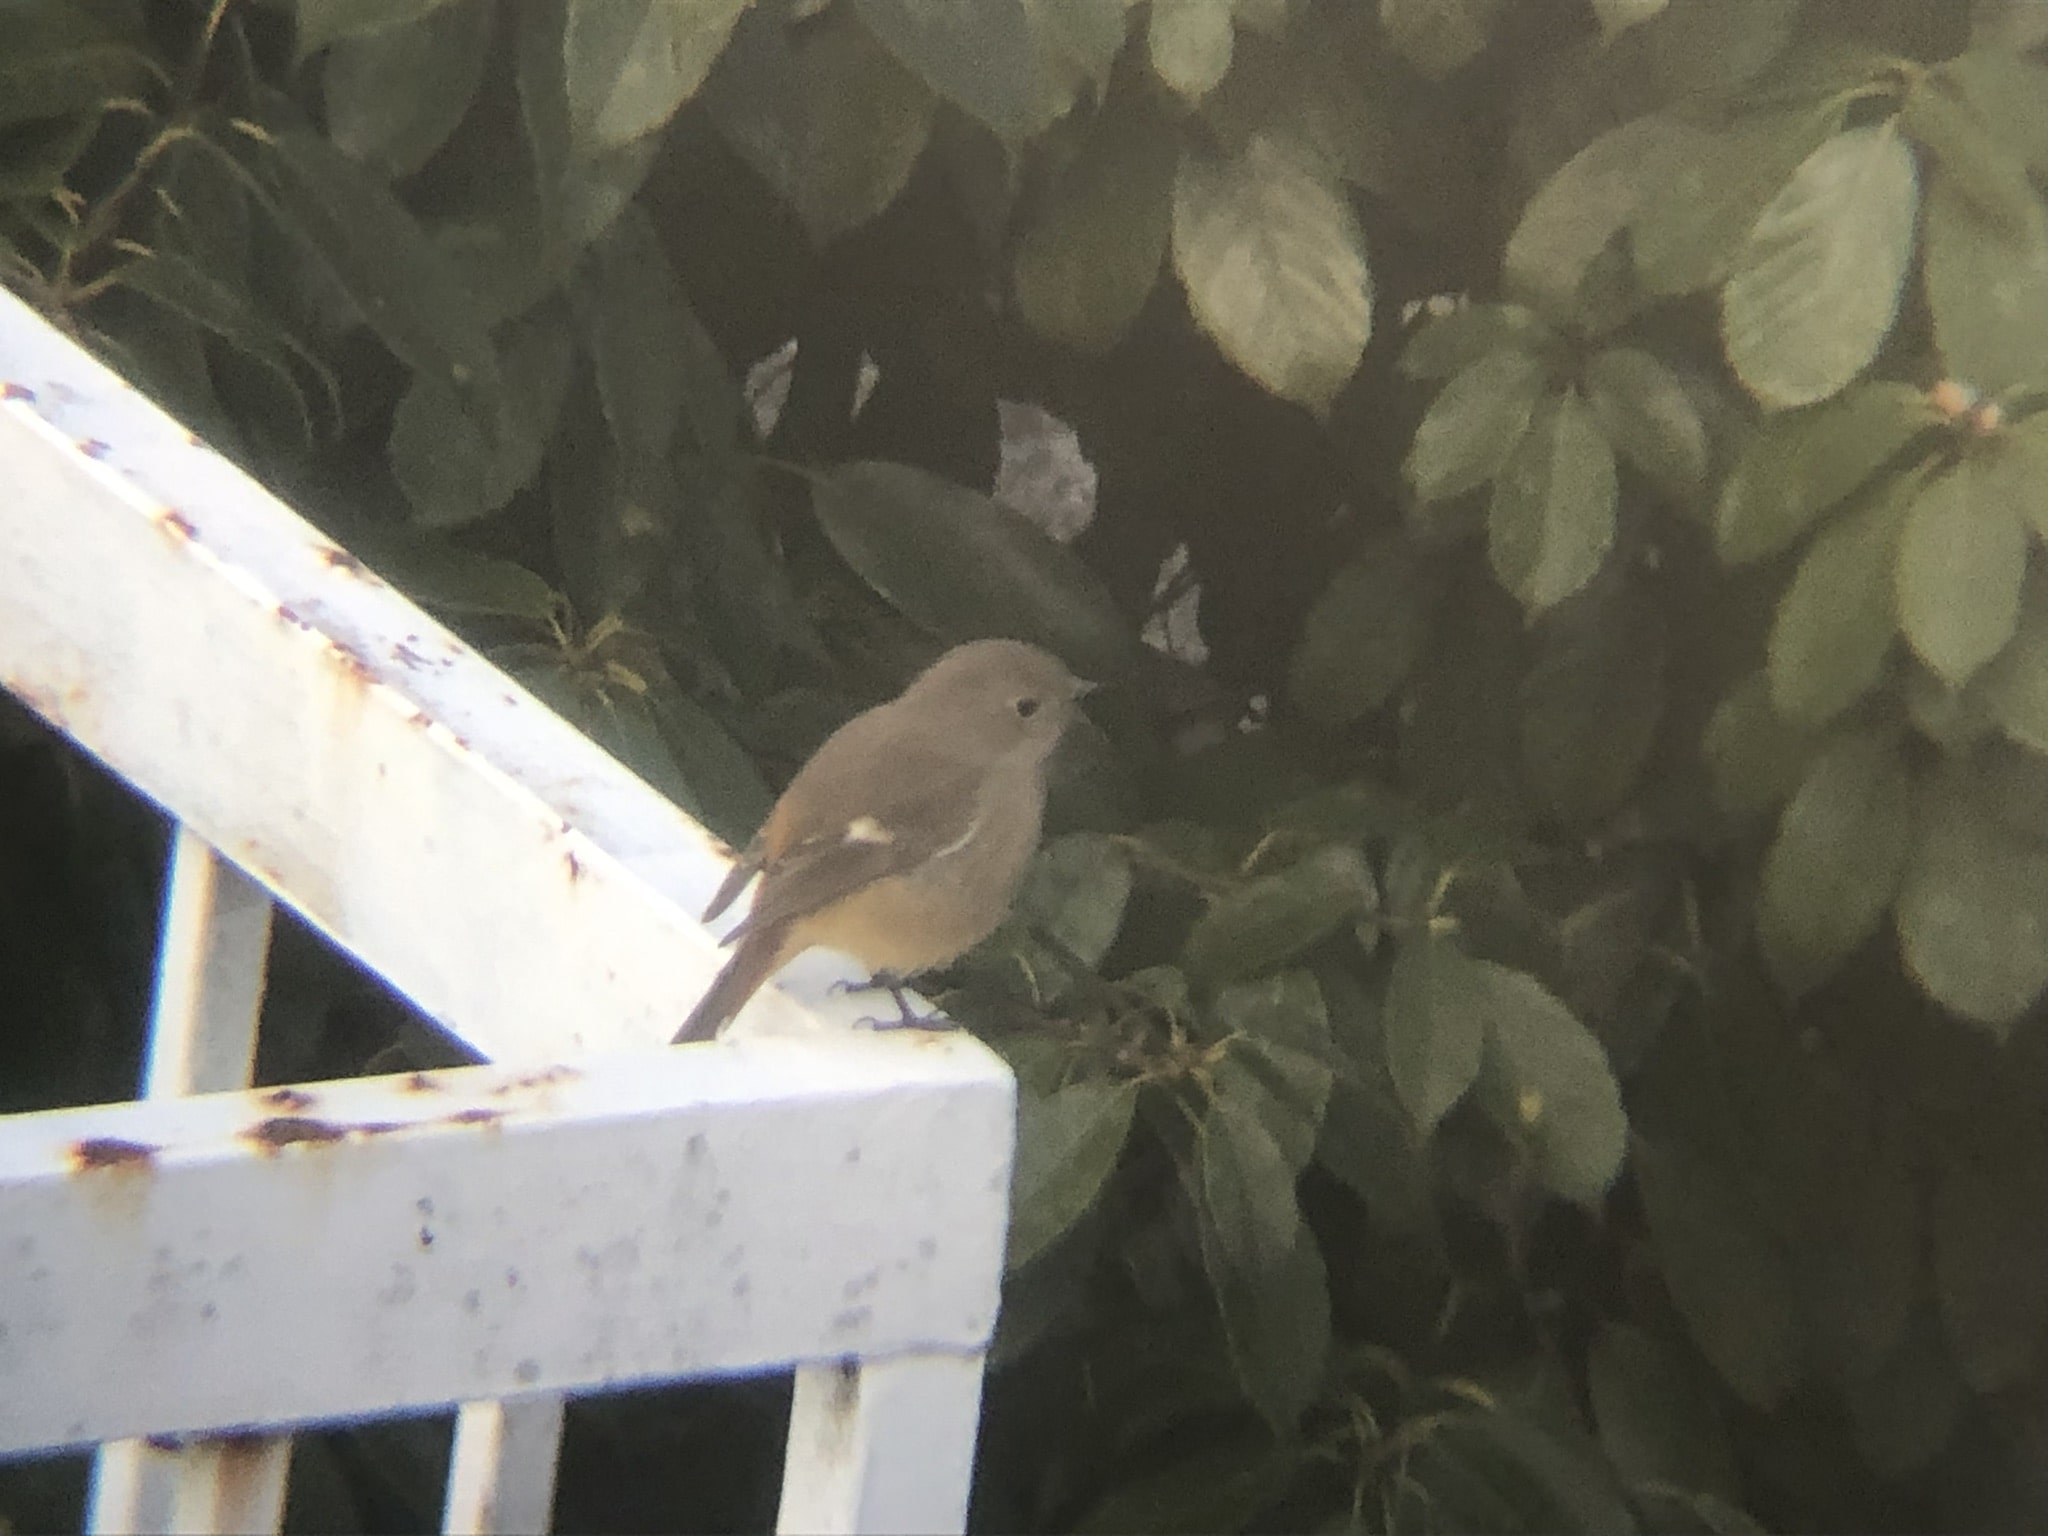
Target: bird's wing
925	801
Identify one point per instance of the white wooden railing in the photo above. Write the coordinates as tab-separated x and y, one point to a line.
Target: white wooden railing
217	1264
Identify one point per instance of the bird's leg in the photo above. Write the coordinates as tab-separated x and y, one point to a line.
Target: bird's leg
906	1017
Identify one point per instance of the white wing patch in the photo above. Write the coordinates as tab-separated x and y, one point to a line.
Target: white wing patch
865	829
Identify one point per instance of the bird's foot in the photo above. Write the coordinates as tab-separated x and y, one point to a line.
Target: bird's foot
906	1016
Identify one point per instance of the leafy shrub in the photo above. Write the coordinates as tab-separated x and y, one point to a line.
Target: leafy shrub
1531	1019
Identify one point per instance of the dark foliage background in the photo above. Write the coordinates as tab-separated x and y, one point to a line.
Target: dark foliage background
1529	1018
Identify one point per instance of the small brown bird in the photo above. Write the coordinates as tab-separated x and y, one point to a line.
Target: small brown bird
902	840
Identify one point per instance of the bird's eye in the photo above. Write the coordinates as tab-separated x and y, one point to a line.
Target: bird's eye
1026	708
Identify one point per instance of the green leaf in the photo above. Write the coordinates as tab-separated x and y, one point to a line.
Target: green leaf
1474	424
1594	696
2015	25
1835	623
1835	866
655	365
1087	263
1650	419
1190	45
1587	201
1967	157
731	796
1274	267
1437	36
823	113
349	224
455	467
215	305
2010	95
1075	891
1617	16
581	190
1658	1421
1724	1271
964	568
1067	1145
624	725
1962	555
1274	1297
1991	1253
629	64
1551	522
1802	463
1688	231
1546	1080
393	96
1269	921
1816	286
450	579
1364	633
1757	757
61	60
1434	1023
326	21
1452	342
1280	1061
1987	285
1087	33
985	58
2016	684
1973	916
1247	1185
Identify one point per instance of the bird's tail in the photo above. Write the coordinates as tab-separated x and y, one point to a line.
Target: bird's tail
758	957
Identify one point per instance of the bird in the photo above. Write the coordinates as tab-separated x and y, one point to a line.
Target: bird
903	839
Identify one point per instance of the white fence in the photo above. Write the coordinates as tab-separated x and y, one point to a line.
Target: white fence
592	1209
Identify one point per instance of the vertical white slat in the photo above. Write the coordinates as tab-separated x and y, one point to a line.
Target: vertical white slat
501	1477
209	993
885	1445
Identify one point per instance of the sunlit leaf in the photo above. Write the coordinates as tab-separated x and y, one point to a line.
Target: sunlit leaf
1801	463
1962	556
1688	231
1546	1080
1474	424
1813	292
1190	45
1552	519
1586	202
1649	417
629	64
1434	1024
393	96
1987	286
1835	623
1274	267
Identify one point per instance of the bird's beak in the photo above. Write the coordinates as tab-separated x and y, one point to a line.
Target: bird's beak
1083	686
